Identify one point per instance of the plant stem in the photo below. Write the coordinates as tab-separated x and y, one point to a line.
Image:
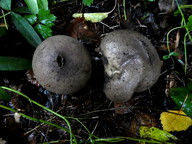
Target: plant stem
125	15
168	47
4	15
184	21
185	54
72	137
34	119
4	20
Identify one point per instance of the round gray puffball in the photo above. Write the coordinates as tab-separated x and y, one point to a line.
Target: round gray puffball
61	64
131	64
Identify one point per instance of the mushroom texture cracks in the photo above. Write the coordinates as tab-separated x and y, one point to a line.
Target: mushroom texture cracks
61	64
131	64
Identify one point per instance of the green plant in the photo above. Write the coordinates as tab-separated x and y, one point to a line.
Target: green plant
187	26
94	17
4	96
87	2
39	16
14	63
69	130
92	139
165	57
102	15
151	0
182	96
25	28
43	21
124	10
20	23
38	22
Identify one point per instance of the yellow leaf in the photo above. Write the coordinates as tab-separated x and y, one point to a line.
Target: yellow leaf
155	134
175	122
93	17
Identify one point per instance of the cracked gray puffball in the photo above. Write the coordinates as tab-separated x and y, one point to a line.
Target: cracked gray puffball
131	64
61	64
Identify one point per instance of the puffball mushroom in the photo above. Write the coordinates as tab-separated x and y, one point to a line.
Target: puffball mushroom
61	64
131	64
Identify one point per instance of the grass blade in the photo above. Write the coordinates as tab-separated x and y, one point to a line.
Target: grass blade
34	119
72	137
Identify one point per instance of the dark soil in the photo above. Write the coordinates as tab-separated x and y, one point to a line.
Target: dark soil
103	118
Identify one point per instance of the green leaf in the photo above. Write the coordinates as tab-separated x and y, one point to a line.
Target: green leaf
93	17
43	4
189	23
31	18
165	57
43	30
4	95
22	10
5	4
32	5
173	54
3	31
58	1
46	18
155	134
176	13
179	95
88	2
14	63
26	29
151	0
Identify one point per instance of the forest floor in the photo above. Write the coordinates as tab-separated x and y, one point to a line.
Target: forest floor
102	117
